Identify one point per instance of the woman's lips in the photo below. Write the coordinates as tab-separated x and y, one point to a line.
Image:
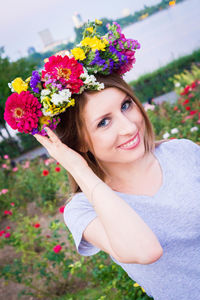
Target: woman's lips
131	143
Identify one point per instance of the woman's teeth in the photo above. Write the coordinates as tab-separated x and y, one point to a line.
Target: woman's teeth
132	143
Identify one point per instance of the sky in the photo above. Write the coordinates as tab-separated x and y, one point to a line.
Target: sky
20	21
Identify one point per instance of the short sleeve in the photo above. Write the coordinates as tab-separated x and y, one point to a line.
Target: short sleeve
78	213
192	153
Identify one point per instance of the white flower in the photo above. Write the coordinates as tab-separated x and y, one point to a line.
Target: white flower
61	97
195	128
10	86
45	92
45	113
166	135
149	106
174	130
177	84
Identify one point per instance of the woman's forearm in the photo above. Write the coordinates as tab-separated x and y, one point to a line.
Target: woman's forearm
129	235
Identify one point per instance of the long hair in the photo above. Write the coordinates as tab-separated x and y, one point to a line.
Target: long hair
72	130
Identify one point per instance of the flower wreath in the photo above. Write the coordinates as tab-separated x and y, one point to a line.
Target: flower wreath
36	102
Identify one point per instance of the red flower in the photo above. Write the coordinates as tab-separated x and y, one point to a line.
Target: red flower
57	163
45	172
7	235
8	227
22	111
171	138
2	232
61	209
187	107
57	248
37	225
186	101
175	108
48	236
8	212
64	70
193	112
193	84
186	90
57	169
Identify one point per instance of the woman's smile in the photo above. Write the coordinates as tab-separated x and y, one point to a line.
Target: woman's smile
132	143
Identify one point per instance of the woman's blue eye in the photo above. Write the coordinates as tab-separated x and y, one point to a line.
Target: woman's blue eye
126	104
102	123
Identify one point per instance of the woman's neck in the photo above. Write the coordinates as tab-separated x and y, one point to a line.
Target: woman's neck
128	176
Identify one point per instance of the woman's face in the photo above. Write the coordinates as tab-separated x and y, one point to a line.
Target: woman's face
115	126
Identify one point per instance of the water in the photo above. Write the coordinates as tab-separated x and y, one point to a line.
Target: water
165	36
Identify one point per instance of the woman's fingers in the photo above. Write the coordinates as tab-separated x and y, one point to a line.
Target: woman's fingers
52	135
45	141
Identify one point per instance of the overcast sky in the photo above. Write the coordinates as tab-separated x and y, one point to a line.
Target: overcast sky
21	20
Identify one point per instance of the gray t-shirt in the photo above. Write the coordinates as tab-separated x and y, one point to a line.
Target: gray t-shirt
173	214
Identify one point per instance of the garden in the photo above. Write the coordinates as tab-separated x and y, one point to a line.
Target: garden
38	259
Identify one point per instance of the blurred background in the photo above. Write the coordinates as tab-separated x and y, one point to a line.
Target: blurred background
37	257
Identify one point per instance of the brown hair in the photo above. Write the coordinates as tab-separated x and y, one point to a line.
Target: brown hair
71	128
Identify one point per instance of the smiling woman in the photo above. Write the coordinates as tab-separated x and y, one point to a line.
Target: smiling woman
133	198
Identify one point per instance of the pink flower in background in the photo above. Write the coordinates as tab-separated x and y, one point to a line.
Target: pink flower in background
57	249
6	156
7	235
15	169
49	161
22	111
26	165
8	212
8	227
61	209
4	166
12	204
2	232
149	106
4	191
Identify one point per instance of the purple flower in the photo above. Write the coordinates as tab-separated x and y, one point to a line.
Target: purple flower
35	79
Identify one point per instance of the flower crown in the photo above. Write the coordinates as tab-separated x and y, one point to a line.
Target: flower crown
37	101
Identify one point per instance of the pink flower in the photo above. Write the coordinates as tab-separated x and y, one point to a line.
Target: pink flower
4	191
65	70
4	166
12	204
8	212
22	111
6	156
15	169
2	232
57	249
26	165
61	209
7	235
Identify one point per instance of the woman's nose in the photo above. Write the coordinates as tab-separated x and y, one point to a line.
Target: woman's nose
126	126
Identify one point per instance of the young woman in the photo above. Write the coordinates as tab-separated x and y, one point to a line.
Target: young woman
134	198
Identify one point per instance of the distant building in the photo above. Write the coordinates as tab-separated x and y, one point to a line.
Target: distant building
48	41
46	37
126	12
78	22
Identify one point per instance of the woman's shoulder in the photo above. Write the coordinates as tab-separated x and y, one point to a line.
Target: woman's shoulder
179	148
77	200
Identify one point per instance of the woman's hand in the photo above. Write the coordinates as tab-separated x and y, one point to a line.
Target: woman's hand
67	157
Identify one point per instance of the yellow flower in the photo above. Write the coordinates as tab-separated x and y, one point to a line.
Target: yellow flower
98	22
55	110
19	85
28	79
90	29
136	284
94	43
44	120
143	290
78	53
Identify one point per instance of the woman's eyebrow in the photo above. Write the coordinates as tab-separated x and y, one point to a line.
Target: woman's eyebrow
106	115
